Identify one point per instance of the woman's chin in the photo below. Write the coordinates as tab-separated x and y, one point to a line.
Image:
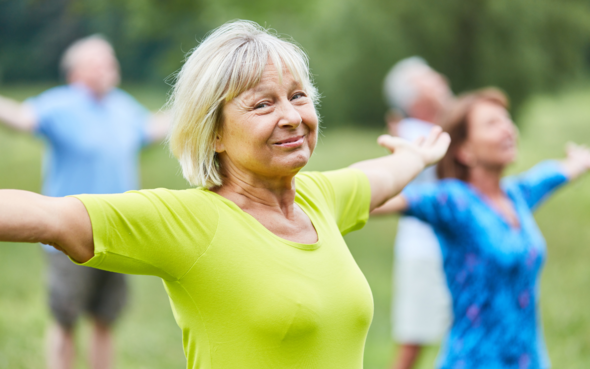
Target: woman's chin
293	163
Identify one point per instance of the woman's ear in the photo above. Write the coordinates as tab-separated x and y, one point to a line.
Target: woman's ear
219	146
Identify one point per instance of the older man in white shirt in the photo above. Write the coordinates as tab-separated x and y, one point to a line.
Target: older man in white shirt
421	307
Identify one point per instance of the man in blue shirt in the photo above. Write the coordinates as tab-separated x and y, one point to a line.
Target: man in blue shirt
94	133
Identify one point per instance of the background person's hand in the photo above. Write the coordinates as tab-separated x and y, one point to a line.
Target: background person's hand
430	149
577	161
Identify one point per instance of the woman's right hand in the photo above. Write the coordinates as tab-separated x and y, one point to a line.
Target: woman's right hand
577	161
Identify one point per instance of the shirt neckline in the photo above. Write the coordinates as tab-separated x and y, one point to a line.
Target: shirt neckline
487	203
262	228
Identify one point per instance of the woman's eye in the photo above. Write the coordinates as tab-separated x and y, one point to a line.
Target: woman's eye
298	95
261	105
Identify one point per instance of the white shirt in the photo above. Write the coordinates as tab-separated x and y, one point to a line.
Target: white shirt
416	239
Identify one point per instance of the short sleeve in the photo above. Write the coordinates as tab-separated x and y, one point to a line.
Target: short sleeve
433	203
154	232
536	184
44	106
347	193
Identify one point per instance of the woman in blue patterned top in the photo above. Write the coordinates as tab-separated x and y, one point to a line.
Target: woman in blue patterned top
492	249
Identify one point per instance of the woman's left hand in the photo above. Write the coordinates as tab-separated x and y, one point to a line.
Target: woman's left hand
430	149
577	161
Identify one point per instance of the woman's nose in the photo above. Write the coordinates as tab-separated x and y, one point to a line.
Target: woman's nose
290	117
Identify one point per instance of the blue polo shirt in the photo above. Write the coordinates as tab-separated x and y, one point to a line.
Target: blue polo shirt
92	146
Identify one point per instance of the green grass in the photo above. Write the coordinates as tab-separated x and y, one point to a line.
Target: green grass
147	336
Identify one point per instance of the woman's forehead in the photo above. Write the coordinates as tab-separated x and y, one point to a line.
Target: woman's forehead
485	108
271	81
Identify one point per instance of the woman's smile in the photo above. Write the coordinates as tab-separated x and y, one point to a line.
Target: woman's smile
291	142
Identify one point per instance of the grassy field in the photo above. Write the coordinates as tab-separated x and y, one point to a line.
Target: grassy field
147	336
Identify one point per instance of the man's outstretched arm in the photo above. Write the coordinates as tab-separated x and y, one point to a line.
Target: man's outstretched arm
16	115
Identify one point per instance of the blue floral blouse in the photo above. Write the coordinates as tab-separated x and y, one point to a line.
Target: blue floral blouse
492	268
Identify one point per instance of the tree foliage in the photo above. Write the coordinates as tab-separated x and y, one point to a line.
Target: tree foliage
522	46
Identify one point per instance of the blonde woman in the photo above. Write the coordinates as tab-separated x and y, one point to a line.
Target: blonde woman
253	259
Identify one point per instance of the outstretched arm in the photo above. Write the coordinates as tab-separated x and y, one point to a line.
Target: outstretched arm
158	126
19	116
577	161
60	222
395	205
388	175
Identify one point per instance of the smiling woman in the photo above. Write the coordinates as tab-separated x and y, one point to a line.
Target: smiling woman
253	259
228	63
493	251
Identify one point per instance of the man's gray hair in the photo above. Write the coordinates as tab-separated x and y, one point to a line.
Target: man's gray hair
68	59
398	88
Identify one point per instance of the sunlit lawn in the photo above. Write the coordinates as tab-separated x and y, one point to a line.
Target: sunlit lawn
147	336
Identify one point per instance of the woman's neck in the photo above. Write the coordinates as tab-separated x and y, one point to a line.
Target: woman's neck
251	192
487	180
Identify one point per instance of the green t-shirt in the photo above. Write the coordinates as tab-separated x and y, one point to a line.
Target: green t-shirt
244	297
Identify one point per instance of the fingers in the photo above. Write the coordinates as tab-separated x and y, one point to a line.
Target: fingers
579	154
433	136
573	149
391	143
570	147
419	141
439	148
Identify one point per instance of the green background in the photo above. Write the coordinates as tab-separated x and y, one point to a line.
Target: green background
522	46
147	336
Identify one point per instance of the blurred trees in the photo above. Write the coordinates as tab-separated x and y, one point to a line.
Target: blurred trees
522	46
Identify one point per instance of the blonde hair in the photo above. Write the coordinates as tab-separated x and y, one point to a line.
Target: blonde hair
229	61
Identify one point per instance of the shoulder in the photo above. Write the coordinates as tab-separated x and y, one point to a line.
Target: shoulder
331	181
445	192
182	198
57	96
58	91
310	181
122	97
174	207
159	197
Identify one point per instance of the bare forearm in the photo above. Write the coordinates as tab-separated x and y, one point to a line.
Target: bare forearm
573	170
23	217
390	174
17	115
394	205
61	222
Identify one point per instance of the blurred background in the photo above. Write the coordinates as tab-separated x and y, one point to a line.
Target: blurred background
537	51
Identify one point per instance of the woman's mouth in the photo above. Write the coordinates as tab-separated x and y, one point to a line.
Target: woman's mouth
291	142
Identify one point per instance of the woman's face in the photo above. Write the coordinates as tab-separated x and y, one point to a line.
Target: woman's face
268	131
491	139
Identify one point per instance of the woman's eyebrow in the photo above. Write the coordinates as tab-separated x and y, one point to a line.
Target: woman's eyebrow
264	88
296	84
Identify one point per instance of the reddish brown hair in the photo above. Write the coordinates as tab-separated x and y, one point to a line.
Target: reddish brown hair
457	125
